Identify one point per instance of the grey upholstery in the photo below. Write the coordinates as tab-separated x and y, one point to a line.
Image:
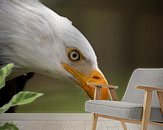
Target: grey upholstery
131	105
132	111
147	77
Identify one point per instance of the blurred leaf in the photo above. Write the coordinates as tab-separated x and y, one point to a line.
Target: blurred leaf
8	126
21	98
24	97
5	107
4	72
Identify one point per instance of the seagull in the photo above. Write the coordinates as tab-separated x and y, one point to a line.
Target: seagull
36	39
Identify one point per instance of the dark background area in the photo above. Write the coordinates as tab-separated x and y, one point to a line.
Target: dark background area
125	35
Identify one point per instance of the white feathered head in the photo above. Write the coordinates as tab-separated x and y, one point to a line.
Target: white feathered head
36	39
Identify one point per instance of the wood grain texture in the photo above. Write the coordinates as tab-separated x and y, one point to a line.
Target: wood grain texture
150	88
146	109
97	93
94	123
124	125
160	98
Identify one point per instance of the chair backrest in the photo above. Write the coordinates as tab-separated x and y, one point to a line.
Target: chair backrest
147	77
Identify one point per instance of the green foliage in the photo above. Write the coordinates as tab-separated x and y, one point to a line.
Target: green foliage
4	72
21	98
8	126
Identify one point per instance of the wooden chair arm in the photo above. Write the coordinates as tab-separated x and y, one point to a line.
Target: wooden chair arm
160	98
104	86
150	88
111	90
148	95
147	107
97	93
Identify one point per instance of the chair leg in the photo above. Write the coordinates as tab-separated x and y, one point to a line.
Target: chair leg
94	124
124	125
144	126
146	110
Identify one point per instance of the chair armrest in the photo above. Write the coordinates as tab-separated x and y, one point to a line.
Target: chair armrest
150	88
148	99
103	86
111	91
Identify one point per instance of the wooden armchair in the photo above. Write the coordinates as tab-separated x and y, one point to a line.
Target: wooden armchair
138	107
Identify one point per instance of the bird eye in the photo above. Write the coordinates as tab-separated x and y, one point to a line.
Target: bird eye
74	55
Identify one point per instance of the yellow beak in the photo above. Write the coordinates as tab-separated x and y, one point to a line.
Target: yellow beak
95	77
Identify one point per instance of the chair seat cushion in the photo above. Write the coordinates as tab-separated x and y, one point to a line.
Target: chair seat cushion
131	111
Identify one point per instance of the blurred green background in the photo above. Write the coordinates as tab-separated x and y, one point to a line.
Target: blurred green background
125	35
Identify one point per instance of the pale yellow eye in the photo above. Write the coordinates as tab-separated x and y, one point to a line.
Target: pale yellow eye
74	55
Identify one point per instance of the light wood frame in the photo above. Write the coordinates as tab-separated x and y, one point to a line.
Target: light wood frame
146	107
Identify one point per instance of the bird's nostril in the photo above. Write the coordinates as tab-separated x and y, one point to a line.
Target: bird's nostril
96	77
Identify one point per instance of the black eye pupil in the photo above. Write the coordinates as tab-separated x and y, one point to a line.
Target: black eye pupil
74	55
